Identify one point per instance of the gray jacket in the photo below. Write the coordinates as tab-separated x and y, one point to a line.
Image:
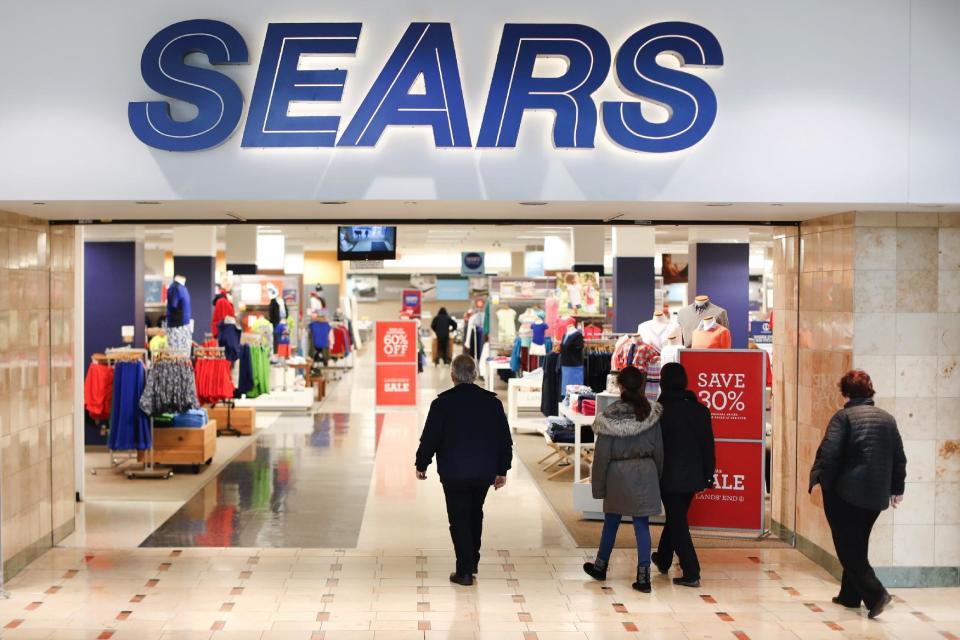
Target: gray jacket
628	461
689	319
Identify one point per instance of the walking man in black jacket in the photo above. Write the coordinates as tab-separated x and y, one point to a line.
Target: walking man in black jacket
861	468
688	466
467	429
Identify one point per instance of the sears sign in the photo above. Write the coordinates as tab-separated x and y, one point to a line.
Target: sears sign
427	51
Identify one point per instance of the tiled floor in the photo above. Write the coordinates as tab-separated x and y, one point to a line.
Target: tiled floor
321	532
237	593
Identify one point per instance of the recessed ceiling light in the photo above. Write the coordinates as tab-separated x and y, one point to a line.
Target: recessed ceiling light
719	204
151	202
776	204
533	203
334	202
931	206
40	203
410	202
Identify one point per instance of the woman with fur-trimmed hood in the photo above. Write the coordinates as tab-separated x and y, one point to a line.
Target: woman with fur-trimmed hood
627	464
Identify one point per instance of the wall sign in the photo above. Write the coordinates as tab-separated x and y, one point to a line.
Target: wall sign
412	302
426	50
472	263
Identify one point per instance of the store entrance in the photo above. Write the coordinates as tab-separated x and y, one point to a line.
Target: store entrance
303	302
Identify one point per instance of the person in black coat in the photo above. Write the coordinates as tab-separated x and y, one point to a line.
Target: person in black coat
861	469
468	431
442	325
688	466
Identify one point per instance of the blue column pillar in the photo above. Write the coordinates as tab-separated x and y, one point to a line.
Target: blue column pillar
195	251
112	294
723	273
634	277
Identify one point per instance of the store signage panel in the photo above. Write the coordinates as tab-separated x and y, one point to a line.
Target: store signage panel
426	51
736	499
396	384
472	263
731	384
396	342
412	302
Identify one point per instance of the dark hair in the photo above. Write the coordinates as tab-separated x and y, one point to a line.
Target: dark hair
633	383
856	384
673	377
442	311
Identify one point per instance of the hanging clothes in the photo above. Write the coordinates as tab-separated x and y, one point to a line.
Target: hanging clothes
229	339
180	339
260	371
597	368
245	378
129	426
178	305
98	391
213	381
169	388
223	308
550	389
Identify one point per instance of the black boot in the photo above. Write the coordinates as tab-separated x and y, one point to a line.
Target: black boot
643	580
596	569
662	567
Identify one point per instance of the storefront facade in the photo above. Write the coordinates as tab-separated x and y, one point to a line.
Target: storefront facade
837	116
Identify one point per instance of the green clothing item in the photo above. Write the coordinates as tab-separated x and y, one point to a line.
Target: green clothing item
260	365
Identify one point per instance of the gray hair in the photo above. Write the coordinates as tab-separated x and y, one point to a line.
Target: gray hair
464	369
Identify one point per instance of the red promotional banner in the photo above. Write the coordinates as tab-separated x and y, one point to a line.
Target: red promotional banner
396	345
730	383
736	501
396	342
396	384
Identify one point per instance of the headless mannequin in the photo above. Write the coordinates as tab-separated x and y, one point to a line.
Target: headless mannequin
690	316
711	335
652	331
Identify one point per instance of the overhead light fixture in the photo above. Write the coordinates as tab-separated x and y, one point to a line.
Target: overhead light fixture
931	206
40	203
234	216
334	202
150	202
533	203
410	202
776	204
719	204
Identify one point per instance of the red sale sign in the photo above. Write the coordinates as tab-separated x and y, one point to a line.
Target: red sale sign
396	341
396	344
730	382
396	384
736	500
412	301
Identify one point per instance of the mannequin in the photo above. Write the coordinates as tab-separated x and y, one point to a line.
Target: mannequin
652	330
672	343
551	308
222	308
179	325
563	324
711	335
277	314
538	343
527	318
506	324
690	316
317	303
571	359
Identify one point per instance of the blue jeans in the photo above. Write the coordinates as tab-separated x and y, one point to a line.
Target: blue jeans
641	527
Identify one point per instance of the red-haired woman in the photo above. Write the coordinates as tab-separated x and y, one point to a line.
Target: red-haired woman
860	467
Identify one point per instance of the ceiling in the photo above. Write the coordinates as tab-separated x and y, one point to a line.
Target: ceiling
437	211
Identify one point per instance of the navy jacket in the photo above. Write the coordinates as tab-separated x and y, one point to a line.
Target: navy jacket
178	305
467	429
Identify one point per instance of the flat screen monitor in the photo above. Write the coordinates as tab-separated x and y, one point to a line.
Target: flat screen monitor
366	242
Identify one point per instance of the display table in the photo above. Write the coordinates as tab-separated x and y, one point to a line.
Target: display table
493	366
194	446
522	394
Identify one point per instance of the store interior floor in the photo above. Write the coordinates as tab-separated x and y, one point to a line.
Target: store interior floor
318	531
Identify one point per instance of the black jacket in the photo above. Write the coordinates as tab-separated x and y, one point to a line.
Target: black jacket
442	325
468	431
571	351
861	456
689	458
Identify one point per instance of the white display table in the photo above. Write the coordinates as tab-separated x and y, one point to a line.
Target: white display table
490	379
522	394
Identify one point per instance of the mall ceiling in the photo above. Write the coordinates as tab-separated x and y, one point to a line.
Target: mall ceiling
449	212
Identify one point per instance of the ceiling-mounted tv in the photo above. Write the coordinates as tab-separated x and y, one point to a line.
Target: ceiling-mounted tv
366	242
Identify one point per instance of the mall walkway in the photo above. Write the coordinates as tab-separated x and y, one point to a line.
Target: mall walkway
321	532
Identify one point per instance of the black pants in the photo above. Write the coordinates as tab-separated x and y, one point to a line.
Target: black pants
675	537
465	513
443	349
850	527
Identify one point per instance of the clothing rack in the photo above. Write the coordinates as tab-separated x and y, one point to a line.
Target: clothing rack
150	471
109	358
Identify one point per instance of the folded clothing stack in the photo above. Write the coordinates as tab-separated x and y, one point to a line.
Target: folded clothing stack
586	397
193	418
561	431
588	407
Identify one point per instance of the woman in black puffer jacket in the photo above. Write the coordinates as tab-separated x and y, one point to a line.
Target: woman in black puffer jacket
861	468
688	466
